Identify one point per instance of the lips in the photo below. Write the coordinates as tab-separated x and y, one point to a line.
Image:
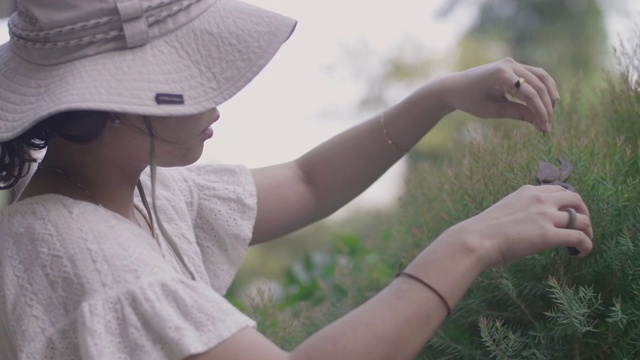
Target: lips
207	133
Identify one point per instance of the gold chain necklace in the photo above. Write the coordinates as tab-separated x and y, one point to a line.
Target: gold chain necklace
70	178
79	185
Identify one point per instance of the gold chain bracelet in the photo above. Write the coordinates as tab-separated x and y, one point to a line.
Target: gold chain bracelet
389	140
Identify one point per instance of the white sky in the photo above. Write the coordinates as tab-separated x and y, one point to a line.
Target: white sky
284	111
279	115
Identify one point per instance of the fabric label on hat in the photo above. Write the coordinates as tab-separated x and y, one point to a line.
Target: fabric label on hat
169	99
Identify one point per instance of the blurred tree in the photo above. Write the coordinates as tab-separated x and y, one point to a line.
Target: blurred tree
566	37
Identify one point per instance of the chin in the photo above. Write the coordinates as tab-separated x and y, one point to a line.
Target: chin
184	159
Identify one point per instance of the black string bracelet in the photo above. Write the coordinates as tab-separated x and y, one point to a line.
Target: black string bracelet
411	276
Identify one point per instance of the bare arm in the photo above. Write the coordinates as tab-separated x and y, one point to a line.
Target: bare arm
399	320
295	194
395	324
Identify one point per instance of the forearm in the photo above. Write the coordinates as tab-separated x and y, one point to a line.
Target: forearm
341	168
398	321
295	194
394	324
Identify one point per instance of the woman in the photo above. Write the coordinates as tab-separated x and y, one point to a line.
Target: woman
91	268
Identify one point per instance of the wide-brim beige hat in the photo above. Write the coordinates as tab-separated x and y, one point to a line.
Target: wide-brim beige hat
154	58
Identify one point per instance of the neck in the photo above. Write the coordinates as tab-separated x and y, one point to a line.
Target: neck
105	179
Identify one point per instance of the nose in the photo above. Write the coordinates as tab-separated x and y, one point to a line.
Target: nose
216	114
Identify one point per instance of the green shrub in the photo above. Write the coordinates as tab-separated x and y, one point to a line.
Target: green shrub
316	292
547	306
551	305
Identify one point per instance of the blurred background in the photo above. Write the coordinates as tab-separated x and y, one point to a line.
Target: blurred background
350	59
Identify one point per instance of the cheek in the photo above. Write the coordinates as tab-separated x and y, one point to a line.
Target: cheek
174	134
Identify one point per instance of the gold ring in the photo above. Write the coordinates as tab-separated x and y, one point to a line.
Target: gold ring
512	94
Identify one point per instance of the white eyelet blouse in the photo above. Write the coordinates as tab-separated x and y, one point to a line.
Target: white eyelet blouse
78	281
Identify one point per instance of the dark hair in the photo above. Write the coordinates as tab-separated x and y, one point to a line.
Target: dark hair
16	156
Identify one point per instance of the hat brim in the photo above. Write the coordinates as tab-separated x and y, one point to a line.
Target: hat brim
206	62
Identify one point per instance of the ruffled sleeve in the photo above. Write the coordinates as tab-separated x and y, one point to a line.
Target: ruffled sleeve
222	203
168	318
83	285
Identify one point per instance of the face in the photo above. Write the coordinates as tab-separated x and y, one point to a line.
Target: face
179	140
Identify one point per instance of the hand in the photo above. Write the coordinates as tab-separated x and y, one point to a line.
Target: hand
526	222
481	91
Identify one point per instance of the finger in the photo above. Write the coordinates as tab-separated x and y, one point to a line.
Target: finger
514	110
569	199
543	93
576	239
563	198
546	79
533	93
549	188
555	188
582	223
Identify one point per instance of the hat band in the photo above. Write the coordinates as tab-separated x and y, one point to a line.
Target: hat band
135	26
134	23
